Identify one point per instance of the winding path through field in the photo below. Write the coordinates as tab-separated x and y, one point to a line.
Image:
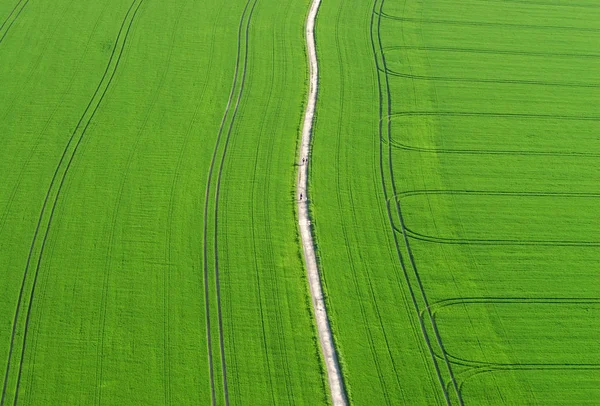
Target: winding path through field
334	375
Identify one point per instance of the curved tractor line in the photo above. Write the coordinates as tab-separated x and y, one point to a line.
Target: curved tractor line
14	19
336	384
50	203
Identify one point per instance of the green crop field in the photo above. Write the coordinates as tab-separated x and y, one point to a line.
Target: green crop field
142	142
149	208
456	199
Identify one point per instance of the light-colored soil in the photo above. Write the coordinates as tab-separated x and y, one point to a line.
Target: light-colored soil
334	375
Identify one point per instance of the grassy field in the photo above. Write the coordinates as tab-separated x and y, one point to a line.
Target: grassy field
147	233
456	199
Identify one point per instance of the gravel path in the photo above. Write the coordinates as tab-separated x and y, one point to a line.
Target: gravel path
334	375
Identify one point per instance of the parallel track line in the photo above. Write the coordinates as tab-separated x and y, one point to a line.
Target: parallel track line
97	97
247	10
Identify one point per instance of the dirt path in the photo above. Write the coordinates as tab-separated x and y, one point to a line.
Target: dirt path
334	375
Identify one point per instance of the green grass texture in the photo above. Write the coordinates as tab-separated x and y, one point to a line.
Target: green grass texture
148	246
456	202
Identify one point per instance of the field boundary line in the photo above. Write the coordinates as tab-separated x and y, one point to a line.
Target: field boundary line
334	375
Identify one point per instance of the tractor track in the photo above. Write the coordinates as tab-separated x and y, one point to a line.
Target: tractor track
495	81
489	241
243	36
391	115
439	352
52	196
370	295
487	24
490	51
23	4
385	88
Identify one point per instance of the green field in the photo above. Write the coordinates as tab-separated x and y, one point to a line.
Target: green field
112	115
456	199
149	237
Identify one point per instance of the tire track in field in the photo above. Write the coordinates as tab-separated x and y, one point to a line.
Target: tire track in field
216	208
53	194
440	304
375	28
490	300
114	217
349	255
239	73
170	216
431	209
496	81
34	65
543	3
516	116
518	366
284	370
489	114
38	138
478	371
492	366
409	193
17	4
385	88
12	17
565	55
287	372
487	24
479	365
488	241
407	147
257	267
445	356
43	284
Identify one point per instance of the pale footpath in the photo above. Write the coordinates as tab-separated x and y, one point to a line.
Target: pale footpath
334	375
